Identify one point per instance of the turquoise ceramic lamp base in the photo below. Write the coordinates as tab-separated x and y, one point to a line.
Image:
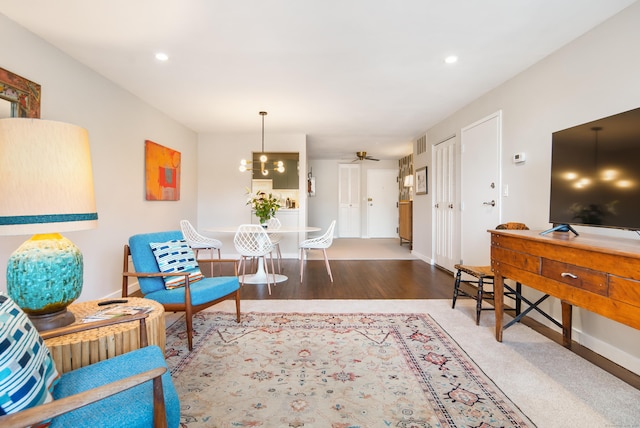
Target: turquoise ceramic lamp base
44	276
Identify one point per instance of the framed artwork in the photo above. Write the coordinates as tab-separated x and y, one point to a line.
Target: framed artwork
22	94
162	172
421	181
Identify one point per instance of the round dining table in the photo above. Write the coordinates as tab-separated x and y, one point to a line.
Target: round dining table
260	276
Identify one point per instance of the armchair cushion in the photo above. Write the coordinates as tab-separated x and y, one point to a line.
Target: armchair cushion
201	292
27	371
131	408
175	256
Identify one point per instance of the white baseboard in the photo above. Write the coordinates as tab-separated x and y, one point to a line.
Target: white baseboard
423	257
626	360
606	350
116	294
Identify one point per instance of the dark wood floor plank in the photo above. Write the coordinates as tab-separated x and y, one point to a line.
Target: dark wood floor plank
358	279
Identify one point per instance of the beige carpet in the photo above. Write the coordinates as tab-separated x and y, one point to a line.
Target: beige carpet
552	386
365	249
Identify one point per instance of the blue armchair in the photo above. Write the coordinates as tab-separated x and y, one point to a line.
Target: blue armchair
190	298
132	389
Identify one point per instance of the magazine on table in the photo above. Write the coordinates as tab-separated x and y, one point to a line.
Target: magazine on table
117	311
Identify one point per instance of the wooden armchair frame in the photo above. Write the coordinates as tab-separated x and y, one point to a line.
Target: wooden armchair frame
58	407
185	307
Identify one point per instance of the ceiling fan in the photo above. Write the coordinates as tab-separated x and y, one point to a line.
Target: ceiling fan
363	156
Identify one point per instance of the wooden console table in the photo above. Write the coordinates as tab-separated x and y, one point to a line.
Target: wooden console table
405	227
597	273
76	350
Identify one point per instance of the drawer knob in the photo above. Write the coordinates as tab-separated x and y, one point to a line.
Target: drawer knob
568	275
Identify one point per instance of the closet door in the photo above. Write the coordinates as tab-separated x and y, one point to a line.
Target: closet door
349	201
445	209
480	188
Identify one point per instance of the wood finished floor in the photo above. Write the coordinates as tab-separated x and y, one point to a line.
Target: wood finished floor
390	279
357	279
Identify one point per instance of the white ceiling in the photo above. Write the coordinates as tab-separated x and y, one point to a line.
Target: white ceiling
351	74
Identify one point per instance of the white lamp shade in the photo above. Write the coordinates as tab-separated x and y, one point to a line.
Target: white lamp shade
46	179
408	181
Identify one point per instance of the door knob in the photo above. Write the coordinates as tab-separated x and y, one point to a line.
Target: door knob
492	203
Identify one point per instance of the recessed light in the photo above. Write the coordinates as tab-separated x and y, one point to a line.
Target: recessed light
451	59
161	56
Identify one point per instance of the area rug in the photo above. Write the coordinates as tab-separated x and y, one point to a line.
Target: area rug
330	370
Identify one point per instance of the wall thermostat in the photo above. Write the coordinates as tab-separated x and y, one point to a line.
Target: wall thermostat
518	158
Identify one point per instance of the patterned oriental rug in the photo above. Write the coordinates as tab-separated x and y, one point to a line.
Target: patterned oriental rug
330	370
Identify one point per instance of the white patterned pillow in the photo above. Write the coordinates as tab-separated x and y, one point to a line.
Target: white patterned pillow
176	256
27	371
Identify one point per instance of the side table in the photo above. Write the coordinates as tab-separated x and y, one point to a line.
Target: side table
77	350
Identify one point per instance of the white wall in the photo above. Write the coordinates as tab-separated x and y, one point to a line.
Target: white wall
422	209
323	207
592	77
118	124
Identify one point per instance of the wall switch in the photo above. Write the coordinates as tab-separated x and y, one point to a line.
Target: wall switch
519	157
505	190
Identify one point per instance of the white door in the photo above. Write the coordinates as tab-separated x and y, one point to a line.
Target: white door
382	203
480	190
445	207
349	201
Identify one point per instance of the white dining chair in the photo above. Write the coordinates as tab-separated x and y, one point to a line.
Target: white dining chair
199	242
320	243
276	238
252	241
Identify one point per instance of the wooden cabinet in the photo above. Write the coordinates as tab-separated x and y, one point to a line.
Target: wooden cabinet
405	229
597	273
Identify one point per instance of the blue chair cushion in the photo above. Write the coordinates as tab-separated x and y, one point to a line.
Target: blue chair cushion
130	408
176	256
203	291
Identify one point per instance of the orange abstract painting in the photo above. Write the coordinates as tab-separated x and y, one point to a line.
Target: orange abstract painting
162	167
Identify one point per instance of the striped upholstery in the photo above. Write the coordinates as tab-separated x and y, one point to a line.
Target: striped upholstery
27	371
176	256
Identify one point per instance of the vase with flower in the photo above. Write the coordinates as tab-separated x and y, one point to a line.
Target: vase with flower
264	205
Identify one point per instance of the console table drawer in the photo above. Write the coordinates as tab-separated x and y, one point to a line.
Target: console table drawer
522	261
575	276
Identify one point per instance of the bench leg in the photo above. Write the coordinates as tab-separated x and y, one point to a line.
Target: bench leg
479	301
456	286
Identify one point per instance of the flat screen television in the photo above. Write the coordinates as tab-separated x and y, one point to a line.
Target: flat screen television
595	174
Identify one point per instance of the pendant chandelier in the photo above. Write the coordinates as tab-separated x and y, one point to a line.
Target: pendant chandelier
265	165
